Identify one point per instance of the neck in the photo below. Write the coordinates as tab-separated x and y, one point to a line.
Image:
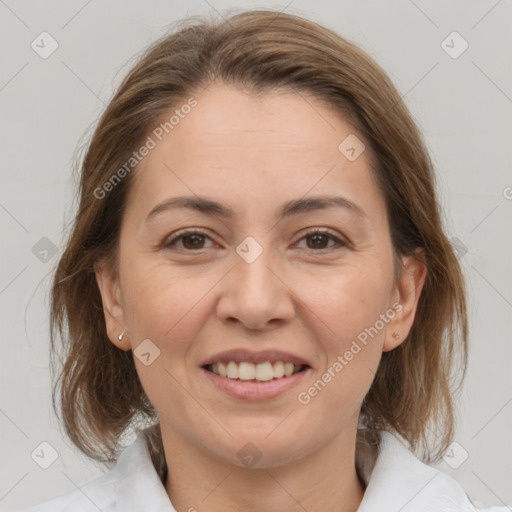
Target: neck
324	480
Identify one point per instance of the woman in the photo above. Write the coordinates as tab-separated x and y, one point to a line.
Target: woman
258	270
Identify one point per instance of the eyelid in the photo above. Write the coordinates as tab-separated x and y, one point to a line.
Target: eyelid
340	241
174	237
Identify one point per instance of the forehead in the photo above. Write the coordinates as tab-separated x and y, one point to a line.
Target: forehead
256	150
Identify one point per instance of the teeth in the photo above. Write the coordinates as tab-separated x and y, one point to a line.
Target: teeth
232	370
264	371
222	370
278	369
248	371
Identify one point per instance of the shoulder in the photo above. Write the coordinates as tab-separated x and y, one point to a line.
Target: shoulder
133	484
400	481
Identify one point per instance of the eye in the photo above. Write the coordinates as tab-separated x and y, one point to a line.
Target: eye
190	240
195	240
318	239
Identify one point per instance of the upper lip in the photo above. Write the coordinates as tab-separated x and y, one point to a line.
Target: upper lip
239	355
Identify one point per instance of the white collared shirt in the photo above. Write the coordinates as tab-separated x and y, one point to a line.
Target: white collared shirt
399	482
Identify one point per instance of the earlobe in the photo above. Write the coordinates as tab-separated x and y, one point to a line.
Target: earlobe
111	298
407	293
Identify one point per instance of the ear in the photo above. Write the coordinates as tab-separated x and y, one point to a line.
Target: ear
111	298
407	293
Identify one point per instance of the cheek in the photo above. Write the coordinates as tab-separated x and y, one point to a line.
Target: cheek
350	300
162	302
352	310
165	305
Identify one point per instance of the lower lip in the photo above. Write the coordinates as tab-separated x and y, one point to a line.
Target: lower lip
254	390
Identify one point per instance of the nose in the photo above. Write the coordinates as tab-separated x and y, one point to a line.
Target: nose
256	294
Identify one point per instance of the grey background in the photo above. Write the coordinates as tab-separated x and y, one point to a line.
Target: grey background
48	106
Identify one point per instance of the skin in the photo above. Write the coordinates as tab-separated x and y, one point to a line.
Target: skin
253	153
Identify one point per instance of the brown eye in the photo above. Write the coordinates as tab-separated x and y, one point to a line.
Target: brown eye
193	241
320	239
187	241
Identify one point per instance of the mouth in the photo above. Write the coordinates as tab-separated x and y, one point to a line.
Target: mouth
254	376
260	372
252	382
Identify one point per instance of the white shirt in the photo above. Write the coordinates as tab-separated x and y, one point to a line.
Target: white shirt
399	482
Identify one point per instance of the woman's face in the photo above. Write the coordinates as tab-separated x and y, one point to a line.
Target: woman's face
250	275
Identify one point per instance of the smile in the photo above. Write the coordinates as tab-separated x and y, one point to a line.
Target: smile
262	372
248	385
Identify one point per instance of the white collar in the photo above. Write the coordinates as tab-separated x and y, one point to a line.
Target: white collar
399	482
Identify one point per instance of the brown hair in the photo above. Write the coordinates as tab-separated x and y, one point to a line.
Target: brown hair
411	395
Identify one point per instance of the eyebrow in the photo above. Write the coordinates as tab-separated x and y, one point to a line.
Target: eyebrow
291	208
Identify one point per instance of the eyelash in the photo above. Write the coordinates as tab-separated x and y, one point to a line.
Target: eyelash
169	243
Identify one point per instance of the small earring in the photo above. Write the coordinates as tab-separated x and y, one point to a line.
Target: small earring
120	337
396	335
